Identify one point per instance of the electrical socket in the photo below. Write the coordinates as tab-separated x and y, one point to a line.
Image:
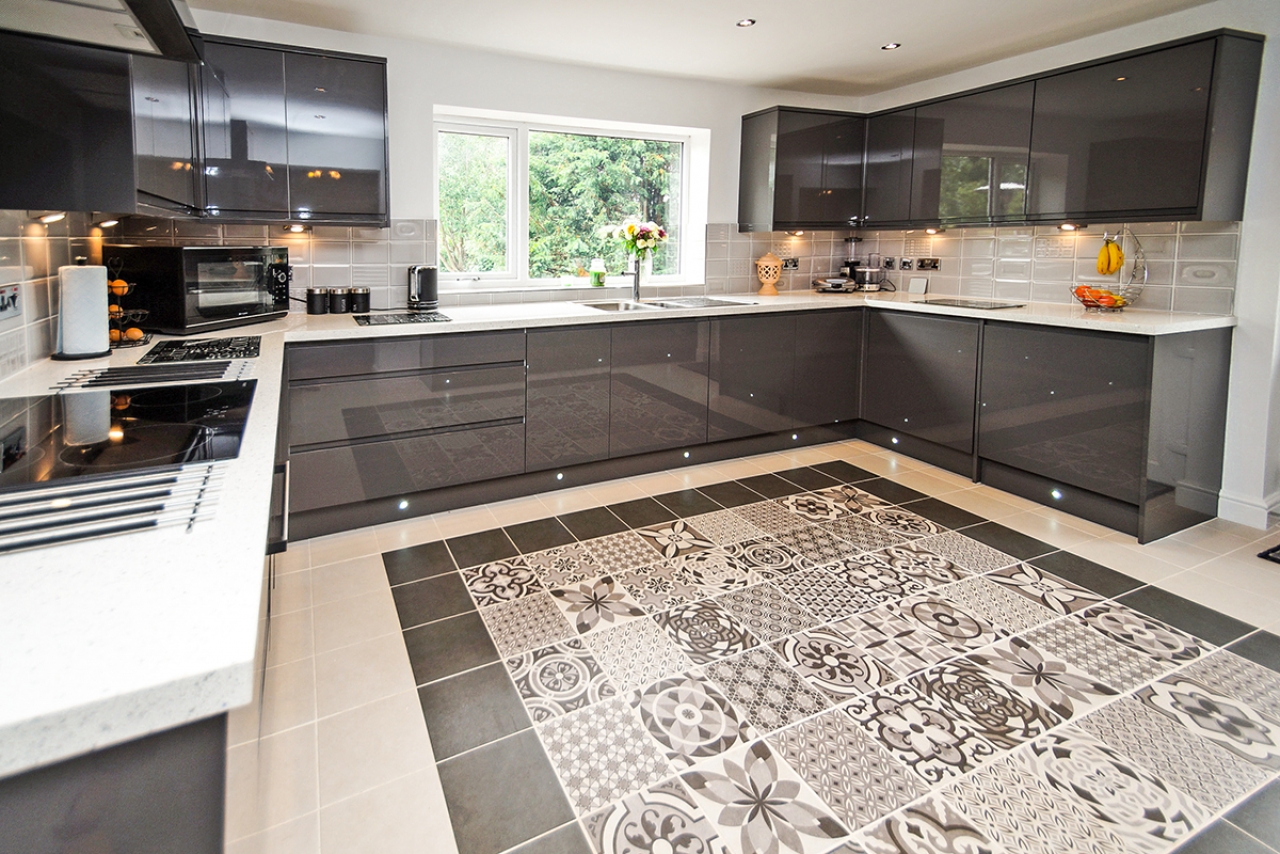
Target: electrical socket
906	264
791	263
927	264
888	263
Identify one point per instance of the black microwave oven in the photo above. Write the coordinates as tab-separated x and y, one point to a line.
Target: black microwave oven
190	289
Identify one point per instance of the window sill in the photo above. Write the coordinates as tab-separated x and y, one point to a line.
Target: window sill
517	287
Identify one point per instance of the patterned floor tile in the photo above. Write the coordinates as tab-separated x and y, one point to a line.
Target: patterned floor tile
997	604
768	692
557	679
636	653
815	507
919	733
620	552
759	805
1143	634
500	581
714	570
766	611
878	582
817	544
673	539
1095	654
1240	678
771	517
1020	811
826	596
724	527
660	587
949	622
1223	720
929	826
767	558
967	692
1215	777
853	499
597	604
867	536
565	565
704	631
967	552
1044	678
525	624
904	522
833	663
662	817
690	719
902	646
913	561
1149	814
601	754
1043	588
848	770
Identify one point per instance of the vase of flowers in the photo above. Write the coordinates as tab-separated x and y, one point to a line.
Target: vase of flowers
640	239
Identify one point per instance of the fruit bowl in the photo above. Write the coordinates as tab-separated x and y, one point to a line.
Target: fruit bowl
1111	260
1111	298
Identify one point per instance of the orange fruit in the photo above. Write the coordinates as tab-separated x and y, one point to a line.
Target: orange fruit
119	287
133	333
115	336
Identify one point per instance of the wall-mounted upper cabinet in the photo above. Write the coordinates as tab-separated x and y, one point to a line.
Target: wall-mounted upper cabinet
890	139
294	135
800	169
970	157
164	134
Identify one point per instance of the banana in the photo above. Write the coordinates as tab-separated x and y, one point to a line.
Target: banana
1104	259
1117	257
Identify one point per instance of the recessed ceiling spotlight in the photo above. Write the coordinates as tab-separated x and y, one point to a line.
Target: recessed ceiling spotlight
1121	79
890	46
747	22
107	223
1072	226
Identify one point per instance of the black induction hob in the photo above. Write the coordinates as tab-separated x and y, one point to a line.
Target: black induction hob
203	349
58	438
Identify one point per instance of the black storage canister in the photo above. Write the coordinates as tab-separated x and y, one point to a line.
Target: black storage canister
360	300
317	300
339	300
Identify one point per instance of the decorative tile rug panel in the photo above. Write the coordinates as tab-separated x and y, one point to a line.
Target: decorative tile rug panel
832	672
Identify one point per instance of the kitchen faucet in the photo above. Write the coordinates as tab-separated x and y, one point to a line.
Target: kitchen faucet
635	283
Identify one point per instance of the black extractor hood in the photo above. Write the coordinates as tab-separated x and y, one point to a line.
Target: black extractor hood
160	27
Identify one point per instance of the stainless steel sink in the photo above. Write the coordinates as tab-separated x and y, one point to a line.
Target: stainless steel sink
619	305
699	302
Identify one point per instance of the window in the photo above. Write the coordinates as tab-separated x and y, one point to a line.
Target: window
526	201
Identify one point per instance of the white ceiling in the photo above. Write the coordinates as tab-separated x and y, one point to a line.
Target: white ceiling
821	46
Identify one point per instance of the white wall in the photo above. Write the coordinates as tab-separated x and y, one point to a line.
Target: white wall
421	75
1251	479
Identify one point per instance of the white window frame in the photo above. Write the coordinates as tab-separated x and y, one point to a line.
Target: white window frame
517	127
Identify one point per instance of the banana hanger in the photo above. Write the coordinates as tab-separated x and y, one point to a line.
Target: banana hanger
1139	257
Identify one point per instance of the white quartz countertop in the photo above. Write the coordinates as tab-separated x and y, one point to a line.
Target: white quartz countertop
112	639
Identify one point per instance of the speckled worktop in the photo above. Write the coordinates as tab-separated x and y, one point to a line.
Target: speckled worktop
109	640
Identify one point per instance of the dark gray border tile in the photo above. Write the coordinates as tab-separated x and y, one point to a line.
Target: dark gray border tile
843	471
641	512
1222	838
687	502
484	547
471	709
1193	618
431	599
539	535
891	491
730	494
1259	815
1087	574
591	523
417	562
1260	648
1009	541
946	515
770	485
450	646
810	478
568	839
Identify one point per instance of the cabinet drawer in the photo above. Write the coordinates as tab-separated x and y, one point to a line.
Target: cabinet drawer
351	474
359	409
356	358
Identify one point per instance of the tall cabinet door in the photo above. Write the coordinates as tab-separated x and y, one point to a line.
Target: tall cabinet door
922	376
842	171
752	361
1122	137
246	144
890	141
567	420
658	386
164	130
337	134
828	367
970	157
798	174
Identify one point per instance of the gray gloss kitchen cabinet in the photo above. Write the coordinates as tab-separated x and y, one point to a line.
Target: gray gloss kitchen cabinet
752	366
921	377
294	134
969	161
800	169
567	409
890	144
164	133
658	386
827	384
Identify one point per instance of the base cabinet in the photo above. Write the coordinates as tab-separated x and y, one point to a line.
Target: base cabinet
658	386
751	376
827	383
567	415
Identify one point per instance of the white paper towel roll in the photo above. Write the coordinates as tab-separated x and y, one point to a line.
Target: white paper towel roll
82	315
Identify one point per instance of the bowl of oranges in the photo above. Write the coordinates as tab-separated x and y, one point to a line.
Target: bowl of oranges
1104	299
1111	261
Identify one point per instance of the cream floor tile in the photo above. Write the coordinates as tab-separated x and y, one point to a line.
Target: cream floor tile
658	483
350	621
696	476
271	781
769	463
292	592
615	492
402	535
1268	539
288	696
929	482
1218	535
857	446
740	468
565	501
296	557
394	818
344	546
1246	572
1130	561
1047	530
815	454
1177	553
981	503
518	510
371	745
300	836
1007	497
336	581
1247	605
470	520
902	460
1091	528
361	673
291	638
883	466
